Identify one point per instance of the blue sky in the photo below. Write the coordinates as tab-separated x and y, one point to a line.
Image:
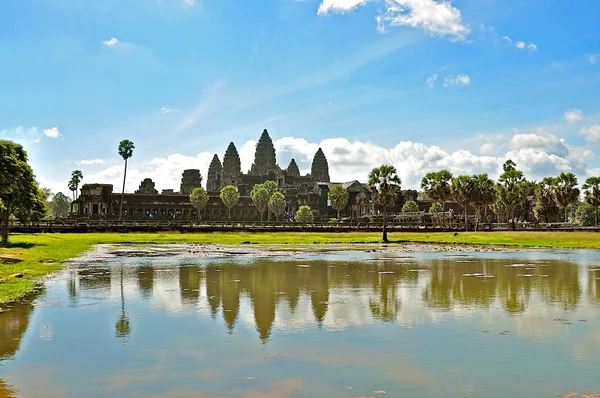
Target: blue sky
422	84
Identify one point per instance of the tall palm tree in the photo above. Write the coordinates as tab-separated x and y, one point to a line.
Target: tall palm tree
72	188
592	194
483	194
566	191
76	177
462	191
385	184
126	148
511	190
437	186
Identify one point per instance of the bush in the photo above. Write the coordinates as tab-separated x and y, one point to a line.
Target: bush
304	215
410	206
584	214
436	207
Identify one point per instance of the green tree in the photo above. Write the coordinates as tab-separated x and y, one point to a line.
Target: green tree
126	148
436	207
72	188
545	197
338	197
385	186
410	206
230	197
260	197
304	215
59	205
437	186
585	214
481	195
19	192
76	177
199	199
566	191
271	188
511	190
591	190
462	193
277	204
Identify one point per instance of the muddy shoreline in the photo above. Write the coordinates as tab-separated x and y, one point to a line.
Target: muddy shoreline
104	252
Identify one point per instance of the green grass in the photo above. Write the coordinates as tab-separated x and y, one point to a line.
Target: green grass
37	255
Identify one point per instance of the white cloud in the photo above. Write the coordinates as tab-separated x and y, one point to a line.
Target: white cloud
438	18
111	42
52	132
339	5
520	44
538	140
166	109
537	152
592	133
165	172
458	80
431	80
573	115
593	58
90	162
435	17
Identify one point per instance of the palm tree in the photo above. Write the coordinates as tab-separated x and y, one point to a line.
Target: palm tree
592	194
483	194
566	190
72	188
385	184
126	148
338	197
76	177
545	196
461	192
437	186
511	190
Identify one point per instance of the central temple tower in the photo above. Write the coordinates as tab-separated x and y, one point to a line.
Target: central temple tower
264	157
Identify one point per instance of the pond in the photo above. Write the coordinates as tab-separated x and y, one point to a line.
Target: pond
341	322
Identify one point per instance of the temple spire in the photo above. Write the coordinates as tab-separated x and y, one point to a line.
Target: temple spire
264	157
293	169
320	167
213	179
231	166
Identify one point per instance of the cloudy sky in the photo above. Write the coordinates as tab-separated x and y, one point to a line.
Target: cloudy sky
421	84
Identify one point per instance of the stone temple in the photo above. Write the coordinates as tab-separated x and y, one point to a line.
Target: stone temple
263	169
99	200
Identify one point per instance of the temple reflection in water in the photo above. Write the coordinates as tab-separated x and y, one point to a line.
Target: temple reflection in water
336	294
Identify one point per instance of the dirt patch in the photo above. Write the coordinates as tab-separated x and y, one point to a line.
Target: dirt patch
9	260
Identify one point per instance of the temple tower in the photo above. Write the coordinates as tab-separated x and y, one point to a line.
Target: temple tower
232	170
190	179
293	169
213	179
320	168
147	187
264	157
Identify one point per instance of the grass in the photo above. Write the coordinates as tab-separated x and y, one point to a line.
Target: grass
37	255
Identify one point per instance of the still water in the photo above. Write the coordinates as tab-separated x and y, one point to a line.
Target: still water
330	324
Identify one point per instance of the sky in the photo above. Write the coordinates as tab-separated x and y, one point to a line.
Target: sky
420	84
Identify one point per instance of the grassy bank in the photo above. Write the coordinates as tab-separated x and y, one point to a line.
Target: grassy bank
36	255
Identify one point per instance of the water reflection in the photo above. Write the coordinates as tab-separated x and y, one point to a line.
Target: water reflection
166	315
445	284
